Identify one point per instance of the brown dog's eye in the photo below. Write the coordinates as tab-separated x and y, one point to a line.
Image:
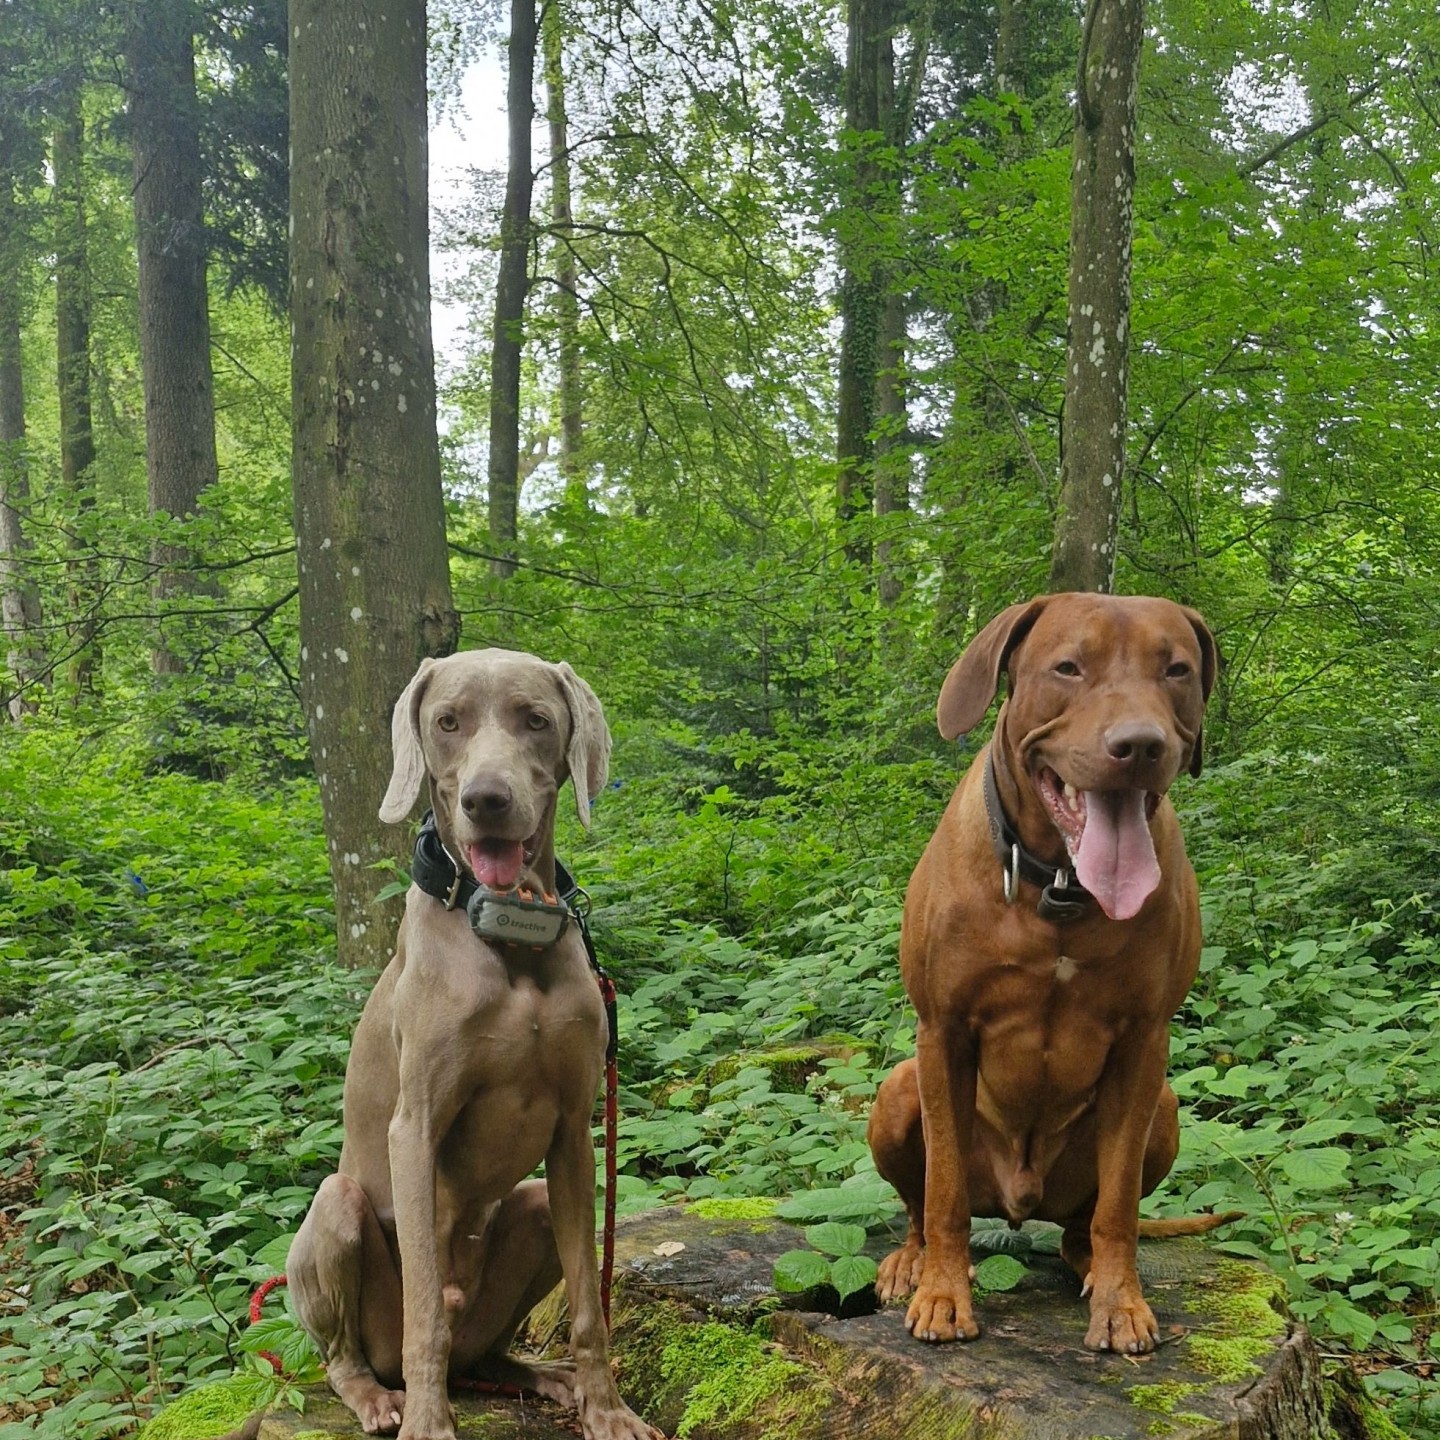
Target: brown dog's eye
1178	671
447	723
536	721
1068	668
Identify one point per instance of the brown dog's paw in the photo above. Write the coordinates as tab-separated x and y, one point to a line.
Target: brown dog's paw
899	1273
939	1313
1126	1325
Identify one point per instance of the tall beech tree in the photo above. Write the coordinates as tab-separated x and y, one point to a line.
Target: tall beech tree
72	357
369	515
19	599
1102	204
20	612
510	290
869	56
170	241
567	270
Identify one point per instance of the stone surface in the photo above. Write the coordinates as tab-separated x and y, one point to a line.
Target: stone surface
702	1350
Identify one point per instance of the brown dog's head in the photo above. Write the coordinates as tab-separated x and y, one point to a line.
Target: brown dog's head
497	732
1106	699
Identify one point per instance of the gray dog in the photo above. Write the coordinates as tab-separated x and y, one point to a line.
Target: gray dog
473	1062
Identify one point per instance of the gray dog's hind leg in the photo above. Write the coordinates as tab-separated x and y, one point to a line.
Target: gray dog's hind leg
338	1262
522	1268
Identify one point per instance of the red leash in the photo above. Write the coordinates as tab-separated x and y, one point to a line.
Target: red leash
612	1125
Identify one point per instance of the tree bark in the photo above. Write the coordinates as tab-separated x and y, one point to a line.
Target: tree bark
567	272
513	281
892	412
861	287
72	354
369	514
173	303
1102	192
19	599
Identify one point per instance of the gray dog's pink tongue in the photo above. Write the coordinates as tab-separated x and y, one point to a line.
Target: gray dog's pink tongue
497	863
1116	860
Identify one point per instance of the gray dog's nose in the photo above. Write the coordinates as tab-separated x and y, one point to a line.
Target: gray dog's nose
486	798
1135	742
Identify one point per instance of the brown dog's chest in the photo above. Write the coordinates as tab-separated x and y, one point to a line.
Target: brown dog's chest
1041	1034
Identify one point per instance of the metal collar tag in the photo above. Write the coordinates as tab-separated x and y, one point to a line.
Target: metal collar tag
514	917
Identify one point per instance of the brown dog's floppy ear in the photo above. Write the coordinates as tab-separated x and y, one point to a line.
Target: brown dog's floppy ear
1209	667
975	676
588	754
408	768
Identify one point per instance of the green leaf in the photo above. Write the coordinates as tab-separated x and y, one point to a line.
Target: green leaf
851	1273
798	1270
1317	1169
836	1239
999	1272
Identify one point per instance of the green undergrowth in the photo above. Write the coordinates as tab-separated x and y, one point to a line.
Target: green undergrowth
178	1033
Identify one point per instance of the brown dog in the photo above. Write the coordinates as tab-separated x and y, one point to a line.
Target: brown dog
1045	982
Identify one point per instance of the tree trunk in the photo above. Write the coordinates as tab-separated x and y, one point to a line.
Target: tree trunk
369	514
567	272
174	315
891	448
1102	192
72	353
19	599
861	288
510	291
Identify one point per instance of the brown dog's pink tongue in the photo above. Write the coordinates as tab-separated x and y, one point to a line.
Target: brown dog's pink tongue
497	863
1116	860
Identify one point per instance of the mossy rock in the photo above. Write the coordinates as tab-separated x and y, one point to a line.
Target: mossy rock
789	1063
702	1350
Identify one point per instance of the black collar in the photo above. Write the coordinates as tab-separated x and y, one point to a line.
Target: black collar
1062	897
437	873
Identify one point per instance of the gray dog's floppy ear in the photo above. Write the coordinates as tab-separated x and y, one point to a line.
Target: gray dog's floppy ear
588	755
1209	668
408	758
975	676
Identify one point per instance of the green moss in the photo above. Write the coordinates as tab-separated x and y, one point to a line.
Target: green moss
708	1375
209	1410
1243	1301
1378	1425
727	1375
1162	1398
740	1207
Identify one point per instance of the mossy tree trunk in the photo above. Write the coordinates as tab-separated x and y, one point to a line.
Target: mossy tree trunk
171	249
1102	195
369	516
507	345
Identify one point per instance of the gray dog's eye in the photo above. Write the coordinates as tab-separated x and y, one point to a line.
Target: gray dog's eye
448	723
536	721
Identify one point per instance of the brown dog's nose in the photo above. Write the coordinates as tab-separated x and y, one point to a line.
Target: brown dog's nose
486	798
1135	743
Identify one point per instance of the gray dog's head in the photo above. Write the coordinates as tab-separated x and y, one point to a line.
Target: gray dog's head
496	732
